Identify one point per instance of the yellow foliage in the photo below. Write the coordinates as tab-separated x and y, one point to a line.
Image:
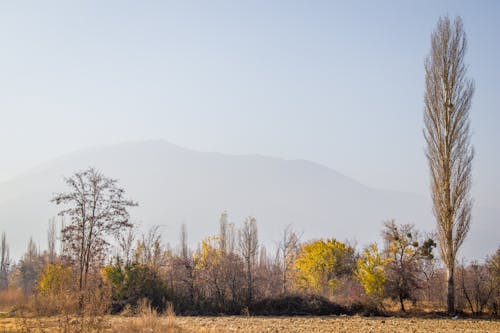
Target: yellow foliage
209	255
370	271
320	263
54	279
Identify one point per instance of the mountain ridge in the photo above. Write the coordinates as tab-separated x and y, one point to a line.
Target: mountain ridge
173	185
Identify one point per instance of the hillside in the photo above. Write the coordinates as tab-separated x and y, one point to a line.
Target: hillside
175	185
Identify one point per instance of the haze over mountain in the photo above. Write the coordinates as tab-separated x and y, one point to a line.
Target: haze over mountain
175	185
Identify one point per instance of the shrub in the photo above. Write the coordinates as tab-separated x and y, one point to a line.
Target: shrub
133	283
297	305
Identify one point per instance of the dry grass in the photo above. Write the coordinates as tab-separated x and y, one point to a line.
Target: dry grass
11	298
151	322
147	321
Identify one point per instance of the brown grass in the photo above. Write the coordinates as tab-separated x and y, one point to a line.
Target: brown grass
147	321
11	298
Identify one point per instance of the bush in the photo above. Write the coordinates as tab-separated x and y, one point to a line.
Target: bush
134	283
297	305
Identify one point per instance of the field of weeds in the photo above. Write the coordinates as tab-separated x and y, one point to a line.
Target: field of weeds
156	324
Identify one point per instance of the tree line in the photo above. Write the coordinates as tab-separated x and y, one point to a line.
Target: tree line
103	259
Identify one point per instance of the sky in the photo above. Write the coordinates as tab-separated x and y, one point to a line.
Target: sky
337	83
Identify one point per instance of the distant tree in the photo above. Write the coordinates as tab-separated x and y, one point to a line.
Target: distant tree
125	244
150	250
268	275
55	279
371	271
223	231
475	286
97	209
493	264
4	262
287	251
182	275
231	235
184	249
209	272
227	234
320	265
448	96
64	245
219	274
405	253
249	245
182	285
51	241
30	267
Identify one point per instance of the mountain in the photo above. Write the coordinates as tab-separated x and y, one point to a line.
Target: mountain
175	185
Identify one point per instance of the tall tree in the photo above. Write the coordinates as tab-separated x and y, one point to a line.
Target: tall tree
4	262
184	250
223	224
97	209
448	95
125	244
51	241
249	245
287	250
150	249
493	264
29	267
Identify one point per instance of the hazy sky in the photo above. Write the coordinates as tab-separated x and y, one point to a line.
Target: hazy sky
341	84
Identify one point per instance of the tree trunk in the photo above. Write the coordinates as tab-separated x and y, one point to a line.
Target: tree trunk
451	291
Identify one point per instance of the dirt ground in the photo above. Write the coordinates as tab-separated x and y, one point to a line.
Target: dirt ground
336	324
293	324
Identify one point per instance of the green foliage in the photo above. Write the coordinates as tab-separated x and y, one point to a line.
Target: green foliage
371	271
321	263
406	253
133	283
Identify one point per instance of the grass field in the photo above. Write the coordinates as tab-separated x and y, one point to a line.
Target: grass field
260	324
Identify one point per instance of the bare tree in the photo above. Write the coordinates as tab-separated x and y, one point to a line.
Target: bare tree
183	269
448	95
249	246
64	249
97	210
287	249
184	242
51	240
4	262
475	286
29	267
223	225
493	264
231	234
125	244
150	249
